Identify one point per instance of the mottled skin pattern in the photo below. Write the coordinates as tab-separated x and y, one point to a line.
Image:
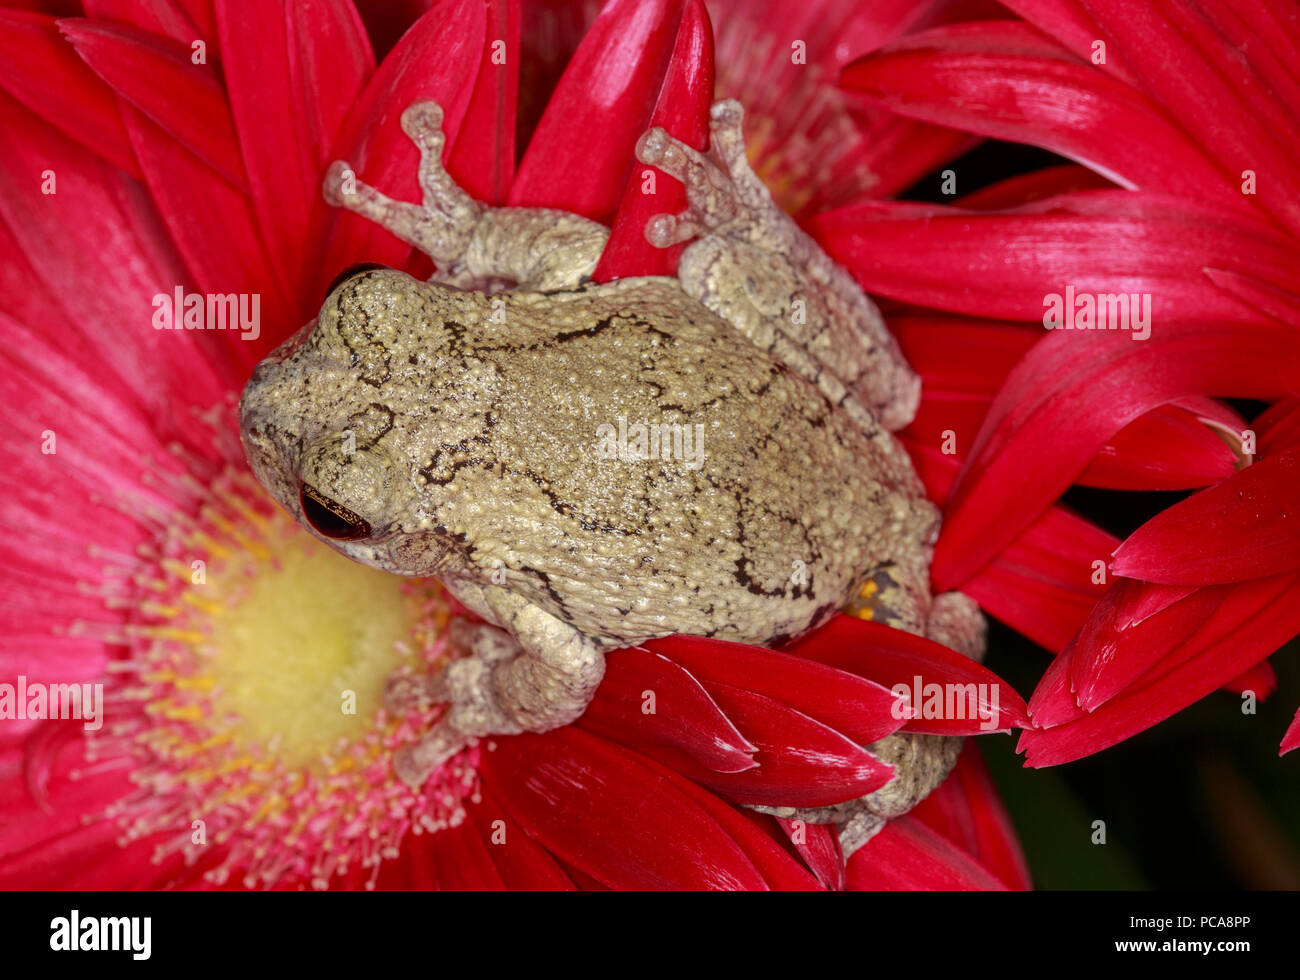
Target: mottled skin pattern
455	426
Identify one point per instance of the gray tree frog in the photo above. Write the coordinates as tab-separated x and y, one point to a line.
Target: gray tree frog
462	428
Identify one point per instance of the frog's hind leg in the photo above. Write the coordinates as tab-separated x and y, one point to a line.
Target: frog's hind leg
539	675
474	245
755	267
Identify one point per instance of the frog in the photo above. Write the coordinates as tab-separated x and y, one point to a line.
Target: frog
588	466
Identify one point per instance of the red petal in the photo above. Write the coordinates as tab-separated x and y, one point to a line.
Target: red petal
819	846
439	59
462	860
1281	304
330	62
97	248
280	109
684	715
1004	80
1168	448
1134	627
1279	427
1260	680
1004	265
608	89
156	76
165	17
485	149
1034	186
683	110
892	658
1210	82
1246	527
45	74
611	814
859	708
224	256
801	762
1291	740
1066	398
1253	620
779	868
521	862
909	856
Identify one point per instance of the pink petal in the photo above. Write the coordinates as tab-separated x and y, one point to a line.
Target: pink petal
1246	527
684	715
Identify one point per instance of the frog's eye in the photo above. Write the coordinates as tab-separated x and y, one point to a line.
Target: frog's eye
331	518
351	271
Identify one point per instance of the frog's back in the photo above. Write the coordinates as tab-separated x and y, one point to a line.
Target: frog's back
652	471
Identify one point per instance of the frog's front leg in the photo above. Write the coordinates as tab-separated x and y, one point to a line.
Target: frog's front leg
531	674
756	268
473	245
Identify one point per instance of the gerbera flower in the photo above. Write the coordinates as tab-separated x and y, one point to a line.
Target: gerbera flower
157	157
1189	197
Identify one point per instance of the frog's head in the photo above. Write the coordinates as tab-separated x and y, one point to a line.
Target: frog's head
321	418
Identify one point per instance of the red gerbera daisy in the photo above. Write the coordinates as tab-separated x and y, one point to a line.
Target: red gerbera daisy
178	149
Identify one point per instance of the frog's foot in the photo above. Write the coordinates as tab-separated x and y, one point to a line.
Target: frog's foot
444	225
500	687
724	194
753	266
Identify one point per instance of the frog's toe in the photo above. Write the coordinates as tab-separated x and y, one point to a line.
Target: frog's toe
414	763
665	230
422	119
404	691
